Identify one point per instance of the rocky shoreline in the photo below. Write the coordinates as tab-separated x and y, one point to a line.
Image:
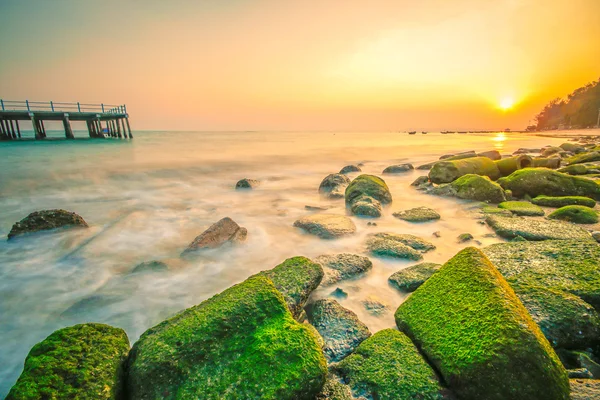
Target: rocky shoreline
515	320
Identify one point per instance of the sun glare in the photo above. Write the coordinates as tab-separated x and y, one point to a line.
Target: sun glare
506	103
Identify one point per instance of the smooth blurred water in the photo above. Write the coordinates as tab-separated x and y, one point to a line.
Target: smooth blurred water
147	198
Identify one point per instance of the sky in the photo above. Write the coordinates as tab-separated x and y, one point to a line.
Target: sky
302	65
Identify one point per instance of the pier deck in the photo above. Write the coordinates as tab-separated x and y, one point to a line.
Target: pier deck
115	118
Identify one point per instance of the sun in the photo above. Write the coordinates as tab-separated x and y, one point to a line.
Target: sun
506	103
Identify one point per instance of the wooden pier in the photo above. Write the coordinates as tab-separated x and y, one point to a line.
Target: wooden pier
114	118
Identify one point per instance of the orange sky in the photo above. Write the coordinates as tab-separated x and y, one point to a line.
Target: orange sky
310	65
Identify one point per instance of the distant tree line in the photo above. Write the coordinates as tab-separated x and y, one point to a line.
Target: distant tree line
578	110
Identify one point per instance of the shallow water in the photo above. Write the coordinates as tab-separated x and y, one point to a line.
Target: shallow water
146	199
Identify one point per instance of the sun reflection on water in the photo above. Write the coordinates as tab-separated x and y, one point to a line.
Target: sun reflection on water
499	140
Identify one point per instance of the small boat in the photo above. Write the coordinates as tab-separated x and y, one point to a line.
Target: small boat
412	132
461	132
424	132
507	130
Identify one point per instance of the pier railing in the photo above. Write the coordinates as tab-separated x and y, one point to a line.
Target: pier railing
31	106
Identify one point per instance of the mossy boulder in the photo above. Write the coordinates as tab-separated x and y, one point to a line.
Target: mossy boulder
46	220
572	147
79	362
370	186
584	157
388	366
550	150
349	169
531	229
398	245
491	154
542	181
459	156
507	166
523	208
339	267
410	278
247	183
472	327
487	210
575	214
472	187
449	171
397	169
366	206
576	169
333	186
339	327
557	202
326	226
418	214
551	162
333	389
295	278
241	344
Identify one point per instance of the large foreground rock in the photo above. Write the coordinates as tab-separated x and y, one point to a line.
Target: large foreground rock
396	245
472	187
575	214
46	220
533	229
339	267
219	233
472	327
340	328
543	181
79	362
240	344
388	366
368	185
448	171
326	226
334	186
410	278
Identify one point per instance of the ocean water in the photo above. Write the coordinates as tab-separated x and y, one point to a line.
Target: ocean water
147	198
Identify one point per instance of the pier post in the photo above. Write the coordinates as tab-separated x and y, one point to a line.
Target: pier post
128	127
90	128
67	126
2	131
36	127
18	128
12	128
123	126
43	128
117	121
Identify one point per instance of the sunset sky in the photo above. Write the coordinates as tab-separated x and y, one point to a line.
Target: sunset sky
302	65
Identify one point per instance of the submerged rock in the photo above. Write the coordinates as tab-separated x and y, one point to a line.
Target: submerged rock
575	214
464	237
326	226
79	362
459	156
422	180
350	168
472	187
448	171
334	185
247	183
46	220
465	304
242	343
396	169
419	214
339	294
339	267
409	279
219	233
150	266
366	206
374	305
397	245
541	181
549	201
339	327
388	366
531	229
522	208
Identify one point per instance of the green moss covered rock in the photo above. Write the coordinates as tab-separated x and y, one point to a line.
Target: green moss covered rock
543	181
389	366
575	214
523	208
409	279
339	267
334	185
79	362
368	185
584	157
449	171
549	201
572	147
508	165
366	206
531	229
472	187
241	344
418	214
551	162
334	390
472	327
326	226
576	169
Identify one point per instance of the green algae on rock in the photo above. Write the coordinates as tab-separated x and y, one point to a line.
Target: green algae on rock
333	389
388	366
507	166
575	169
46	220
472	187
572	147
575	214
584	157
295	278
551	162
557	202
418	214
368	185
472	327
533	229
543	181
449	171
242	343
366	206
522	208
409	279
384	245
495	211
79	362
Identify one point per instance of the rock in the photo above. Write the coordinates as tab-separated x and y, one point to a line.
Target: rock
552	162
46	220
471	326
509	165
242	344
579	373
315	208
437	234
459	156
339	294
585	389
371	223
542	181
247	183
397	245
530	229
448	171
472	187
409	279
576	169
427	166
150	266
339	327
396	169
584	157
368	185
374	305
495	211
326	226
571	266
350	168
334	186
79	362
464	237
219	233
522	208
548	201
295	278
572	147
419	214
334	390
388	366
548	151
492	155
366	206
566	320
421	181
575	214
339	267
596	236
524	150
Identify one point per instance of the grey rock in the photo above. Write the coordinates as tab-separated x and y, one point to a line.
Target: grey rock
339	267
419	214
397	245
396	169
409	279
219	233
350	168
375	306
46	220
150	266
339	293
464	237
247	183
334	186
530	229
366	206
326	226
